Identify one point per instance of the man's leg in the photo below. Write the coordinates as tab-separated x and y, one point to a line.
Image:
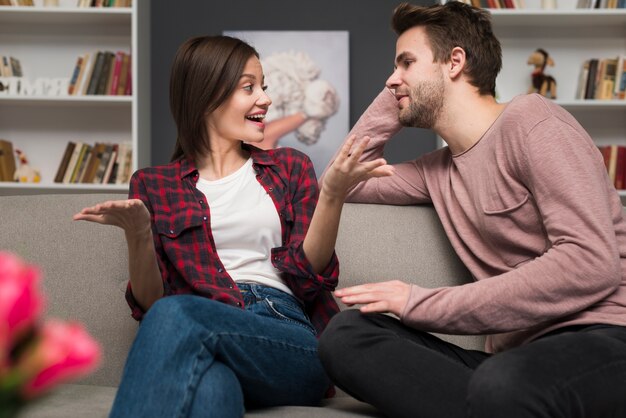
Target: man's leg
577	374
401	371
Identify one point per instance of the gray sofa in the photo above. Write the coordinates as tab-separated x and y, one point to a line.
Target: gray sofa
85	273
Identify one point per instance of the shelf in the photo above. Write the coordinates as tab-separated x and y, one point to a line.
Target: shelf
65	16
68	101
559	18
592	105
32	188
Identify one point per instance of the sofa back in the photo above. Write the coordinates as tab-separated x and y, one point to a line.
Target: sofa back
85	266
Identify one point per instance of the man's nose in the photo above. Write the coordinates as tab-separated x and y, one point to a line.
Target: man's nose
394	80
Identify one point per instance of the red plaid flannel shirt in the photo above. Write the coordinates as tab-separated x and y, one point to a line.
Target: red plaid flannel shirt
184	243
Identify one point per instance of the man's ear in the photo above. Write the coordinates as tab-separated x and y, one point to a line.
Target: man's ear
457	62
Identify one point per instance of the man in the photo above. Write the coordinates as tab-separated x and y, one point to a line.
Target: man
523	195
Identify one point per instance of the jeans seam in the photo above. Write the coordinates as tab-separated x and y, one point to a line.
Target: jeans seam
268	341
282	317
195	375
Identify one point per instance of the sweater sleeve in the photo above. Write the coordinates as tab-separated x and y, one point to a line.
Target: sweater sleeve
406	186
565	176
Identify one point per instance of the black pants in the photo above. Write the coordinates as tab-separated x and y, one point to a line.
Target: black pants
575	372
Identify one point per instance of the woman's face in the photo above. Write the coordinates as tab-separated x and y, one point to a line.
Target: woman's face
241	116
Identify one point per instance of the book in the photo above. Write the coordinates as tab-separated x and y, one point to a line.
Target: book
7	160
71	165
125	162
591	79
614	157
95	75
110	164
129	77
103	76
84	161
88	73
16	67
104	162
121	88
79	161
117	67
67	154
94	162
74	79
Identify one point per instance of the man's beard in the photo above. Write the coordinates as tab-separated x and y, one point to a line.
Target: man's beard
425	104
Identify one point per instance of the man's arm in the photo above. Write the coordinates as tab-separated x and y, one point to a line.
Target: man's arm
580	267
380	123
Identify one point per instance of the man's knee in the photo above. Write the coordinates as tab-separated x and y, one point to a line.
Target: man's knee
502	384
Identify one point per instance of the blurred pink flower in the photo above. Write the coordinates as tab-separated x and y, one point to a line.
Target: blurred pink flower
35	357
21	302
63	351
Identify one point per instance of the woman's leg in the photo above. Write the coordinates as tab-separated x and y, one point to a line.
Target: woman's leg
218	394
181	338
401	371
577	374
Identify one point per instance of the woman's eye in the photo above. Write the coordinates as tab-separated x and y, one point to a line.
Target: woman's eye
264	88
248	87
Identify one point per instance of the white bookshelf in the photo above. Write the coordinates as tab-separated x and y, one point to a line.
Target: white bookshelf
570	36
47	41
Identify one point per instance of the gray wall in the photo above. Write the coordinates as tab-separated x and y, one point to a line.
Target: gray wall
372	48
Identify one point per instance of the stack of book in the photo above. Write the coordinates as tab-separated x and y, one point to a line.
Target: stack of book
105	3
603	79
102	73
601	4
615	162
16	3
99	163
10	66
7	160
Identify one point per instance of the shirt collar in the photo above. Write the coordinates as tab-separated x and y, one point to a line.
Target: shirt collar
259	156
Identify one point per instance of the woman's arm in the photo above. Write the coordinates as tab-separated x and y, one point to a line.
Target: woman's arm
345	172
133	217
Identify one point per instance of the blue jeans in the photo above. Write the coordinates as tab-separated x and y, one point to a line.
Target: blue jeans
195	357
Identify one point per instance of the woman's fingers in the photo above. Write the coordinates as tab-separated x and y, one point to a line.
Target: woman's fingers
344	153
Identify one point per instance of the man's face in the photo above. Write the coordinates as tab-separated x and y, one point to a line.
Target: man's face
418	83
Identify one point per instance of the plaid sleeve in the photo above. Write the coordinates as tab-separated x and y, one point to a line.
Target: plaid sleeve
290	258
137	190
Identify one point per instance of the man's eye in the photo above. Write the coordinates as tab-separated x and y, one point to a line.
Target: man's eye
407	62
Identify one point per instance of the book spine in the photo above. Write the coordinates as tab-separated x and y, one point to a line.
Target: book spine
67	154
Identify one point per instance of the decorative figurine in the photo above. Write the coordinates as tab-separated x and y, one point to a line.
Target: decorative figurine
25	173
542	83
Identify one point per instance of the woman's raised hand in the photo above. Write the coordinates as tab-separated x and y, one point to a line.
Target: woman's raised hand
130	215
347	171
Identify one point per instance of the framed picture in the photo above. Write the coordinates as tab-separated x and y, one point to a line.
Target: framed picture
307	77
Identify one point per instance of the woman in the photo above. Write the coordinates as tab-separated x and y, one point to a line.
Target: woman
231	264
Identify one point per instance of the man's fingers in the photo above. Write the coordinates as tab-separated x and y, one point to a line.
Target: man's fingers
376	307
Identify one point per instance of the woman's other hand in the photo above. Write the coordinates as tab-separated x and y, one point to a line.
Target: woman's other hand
347	171
130	215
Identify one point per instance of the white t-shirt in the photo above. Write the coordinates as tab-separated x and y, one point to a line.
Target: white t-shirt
245	226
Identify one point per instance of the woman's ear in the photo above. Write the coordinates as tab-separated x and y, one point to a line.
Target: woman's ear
457	62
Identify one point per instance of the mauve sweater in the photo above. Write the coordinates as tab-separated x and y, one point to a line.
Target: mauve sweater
530	211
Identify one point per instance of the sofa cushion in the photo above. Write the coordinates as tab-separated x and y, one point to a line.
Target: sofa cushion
84	265
80	401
